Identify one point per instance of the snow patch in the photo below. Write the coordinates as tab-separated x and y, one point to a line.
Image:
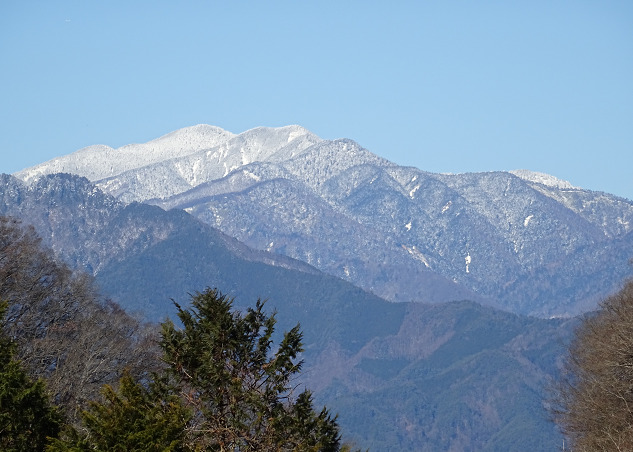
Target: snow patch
527	220
408	226
412	192
417	255
255	177
446	207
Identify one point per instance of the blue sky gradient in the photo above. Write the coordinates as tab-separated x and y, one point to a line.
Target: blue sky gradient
450	86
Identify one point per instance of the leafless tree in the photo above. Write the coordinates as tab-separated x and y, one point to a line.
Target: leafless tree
65	332
594	398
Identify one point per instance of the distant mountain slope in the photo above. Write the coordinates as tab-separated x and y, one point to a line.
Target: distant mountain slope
457	376
523	241
96	233
402	376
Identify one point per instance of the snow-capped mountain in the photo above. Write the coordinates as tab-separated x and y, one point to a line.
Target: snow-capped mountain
543	179
175	162
524	241
99	161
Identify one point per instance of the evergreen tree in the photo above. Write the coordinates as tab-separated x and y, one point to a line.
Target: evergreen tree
133	418
241	393
223	390
27	418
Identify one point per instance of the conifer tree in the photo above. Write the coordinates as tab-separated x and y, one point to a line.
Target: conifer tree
242	394
134	418
27	418
223	389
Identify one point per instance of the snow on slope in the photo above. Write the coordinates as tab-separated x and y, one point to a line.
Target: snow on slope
542	178
100	161
169	177
178	161
329	159
286	189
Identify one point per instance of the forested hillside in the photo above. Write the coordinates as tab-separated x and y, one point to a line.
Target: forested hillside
214	382
399	374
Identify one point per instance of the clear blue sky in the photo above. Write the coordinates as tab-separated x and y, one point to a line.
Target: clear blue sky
446	86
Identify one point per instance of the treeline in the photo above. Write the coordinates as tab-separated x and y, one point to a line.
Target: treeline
78	373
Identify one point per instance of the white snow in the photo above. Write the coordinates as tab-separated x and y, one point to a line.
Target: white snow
412	192
446	206
193	155
100	161
253	176
408	226
527	220
298	132
417	255
543	178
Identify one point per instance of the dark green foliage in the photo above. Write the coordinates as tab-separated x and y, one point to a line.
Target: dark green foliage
241	392
134	418
27	417
224	389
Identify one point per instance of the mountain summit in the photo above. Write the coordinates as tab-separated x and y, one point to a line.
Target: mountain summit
522	241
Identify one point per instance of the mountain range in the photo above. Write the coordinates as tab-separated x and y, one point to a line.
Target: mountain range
521	241
435	307
401	376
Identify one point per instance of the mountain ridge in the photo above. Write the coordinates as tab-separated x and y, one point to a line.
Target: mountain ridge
491	234
87	163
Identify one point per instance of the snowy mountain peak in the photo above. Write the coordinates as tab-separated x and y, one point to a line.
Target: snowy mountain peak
99	161
288	191
177	161
261	143
543	178
290	132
